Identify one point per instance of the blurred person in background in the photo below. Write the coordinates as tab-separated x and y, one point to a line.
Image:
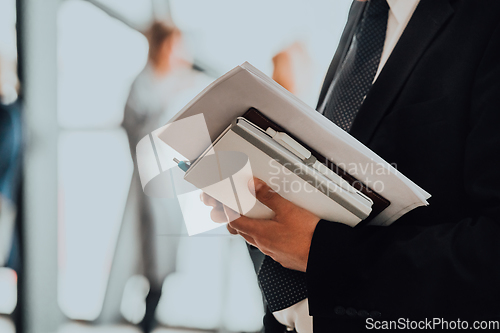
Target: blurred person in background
167	82
292	69
10	162
164	76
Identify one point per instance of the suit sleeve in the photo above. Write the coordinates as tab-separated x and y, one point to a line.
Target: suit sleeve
270	324
446	268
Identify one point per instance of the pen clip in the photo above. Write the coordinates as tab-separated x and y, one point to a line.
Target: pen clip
286	141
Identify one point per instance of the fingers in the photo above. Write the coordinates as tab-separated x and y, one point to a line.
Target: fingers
248	239
267	195
217	214
258	241
208	200
231	230
231	214
251	227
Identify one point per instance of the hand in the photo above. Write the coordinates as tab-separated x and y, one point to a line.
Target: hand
219	213
286	238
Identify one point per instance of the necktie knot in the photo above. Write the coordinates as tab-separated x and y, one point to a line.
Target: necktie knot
377	8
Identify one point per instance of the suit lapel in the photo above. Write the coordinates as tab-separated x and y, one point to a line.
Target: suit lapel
429	17
345	41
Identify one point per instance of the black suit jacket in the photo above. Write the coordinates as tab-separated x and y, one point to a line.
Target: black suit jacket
434	111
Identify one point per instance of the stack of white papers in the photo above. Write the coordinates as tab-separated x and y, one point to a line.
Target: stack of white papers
234	93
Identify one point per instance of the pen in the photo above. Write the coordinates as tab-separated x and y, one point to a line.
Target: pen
182	165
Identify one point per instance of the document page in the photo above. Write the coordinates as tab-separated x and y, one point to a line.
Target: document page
234	93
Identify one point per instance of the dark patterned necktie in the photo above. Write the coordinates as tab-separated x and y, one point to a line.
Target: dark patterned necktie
283	287
354	79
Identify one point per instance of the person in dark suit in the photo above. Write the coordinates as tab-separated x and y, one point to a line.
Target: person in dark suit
434	111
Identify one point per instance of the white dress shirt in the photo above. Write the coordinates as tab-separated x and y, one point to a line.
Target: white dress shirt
297	316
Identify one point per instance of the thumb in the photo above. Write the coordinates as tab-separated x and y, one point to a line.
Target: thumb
267	195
